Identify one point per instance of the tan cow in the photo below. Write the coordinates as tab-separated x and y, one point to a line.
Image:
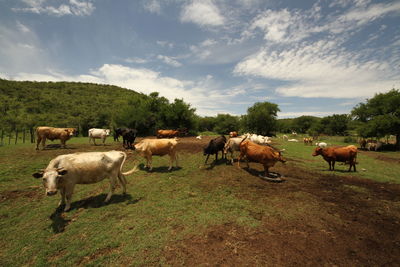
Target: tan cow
52	133
232	145
158	147
65	171
347	154
233	134
266	155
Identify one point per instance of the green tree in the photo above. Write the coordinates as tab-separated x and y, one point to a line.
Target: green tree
261	118
335	124
226	123
303	123
380	115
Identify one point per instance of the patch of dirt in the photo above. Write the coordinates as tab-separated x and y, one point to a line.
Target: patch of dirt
326	223
32	193
381	156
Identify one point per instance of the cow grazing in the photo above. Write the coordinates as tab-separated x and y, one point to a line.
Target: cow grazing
233	134
214	146
171	133
346	154
52	133
128	136
307	140
293	140
95	133
266	155
65	171
232	145
158	147
363	143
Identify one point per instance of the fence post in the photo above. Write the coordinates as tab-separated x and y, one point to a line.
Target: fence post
32	135
16	136
23	136
9	137
2	136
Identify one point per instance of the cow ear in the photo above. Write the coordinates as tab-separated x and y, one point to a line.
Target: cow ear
38	174
62	171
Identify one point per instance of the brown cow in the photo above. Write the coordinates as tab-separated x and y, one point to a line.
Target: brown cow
157	147
52	133
266	155
346	154
167	133
363	143
307	140
233	134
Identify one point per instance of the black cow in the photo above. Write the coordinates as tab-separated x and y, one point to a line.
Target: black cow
128	136
215	145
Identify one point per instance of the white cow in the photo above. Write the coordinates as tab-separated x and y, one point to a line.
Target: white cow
95	133
232	145
65	171
259	139
293	140
321	144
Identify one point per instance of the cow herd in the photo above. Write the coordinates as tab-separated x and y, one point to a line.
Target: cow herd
65	171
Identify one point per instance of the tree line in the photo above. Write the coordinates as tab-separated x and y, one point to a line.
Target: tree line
25	105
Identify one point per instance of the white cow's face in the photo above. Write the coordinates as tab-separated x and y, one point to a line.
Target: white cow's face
51	179
108	132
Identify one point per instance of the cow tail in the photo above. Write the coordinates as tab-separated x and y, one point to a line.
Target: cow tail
243	140
130	171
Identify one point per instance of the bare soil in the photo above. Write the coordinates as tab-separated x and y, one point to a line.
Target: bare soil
346	221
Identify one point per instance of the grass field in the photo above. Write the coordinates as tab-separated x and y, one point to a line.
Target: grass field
204	215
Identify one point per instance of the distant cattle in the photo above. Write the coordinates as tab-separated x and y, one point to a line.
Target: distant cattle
158	147
258	139
128	136
266	155
233	134
232	145
363	143
95	133
214	146
293	140
171	133
65	171
374	146
52	133
346	154
307	140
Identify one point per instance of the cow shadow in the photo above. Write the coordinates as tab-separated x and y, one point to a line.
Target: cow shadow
274	176
161	169
59	222
57	146
214	163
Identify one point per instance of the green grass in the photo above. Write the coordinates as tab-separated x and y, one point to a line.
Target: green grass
160	208
368	166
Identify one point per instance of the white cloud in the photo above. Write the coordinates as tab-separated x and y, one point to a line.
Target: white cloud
202	13
165	44
75	7
153	6
136	60
320	69
169	60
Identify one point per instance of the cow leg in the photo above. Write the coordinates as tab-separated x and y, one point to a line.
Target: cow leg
104	141
171	161
63	144
68	198
216	157
266	171
112	188
333	165
38	142
208	155
62	200
150	163
43	142
122	181
232	157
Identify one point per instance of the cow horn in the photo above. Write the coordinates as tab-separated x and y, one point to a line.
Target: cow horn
282	150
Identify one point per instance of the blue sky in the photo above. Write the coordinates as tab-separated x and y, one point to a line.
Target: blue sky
309	57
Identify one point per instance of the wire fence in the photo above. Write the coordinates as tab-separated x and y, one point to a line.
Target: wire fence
17	136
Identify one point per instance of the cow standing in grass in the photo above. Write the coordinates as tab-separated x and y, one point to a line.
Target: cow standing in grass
266	155
158	147
65	171
214	146
346	154
52	133
95	133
